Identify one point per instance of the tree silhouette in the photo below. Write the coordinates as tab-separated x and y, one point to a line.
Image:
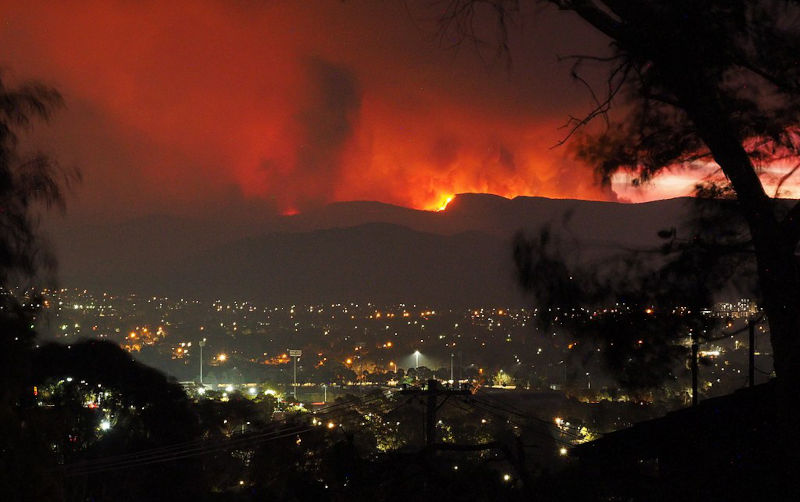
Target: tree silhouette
28	185
637	308
146	410
703	82
149	410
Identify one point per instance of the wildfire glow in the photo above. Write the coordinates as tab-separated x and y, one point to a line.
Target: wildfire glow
340	126
443	205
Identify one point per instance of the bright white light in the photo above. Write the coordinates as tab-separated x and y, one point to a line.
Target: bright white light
201	390
252	391
562	451
506	477
229	388
105	425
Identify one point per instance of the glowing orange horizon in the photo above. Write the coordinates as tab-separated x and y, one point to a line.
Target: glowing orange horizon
293	116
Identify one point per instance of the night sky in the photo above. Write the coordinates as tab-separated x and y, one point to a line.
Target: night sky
186	107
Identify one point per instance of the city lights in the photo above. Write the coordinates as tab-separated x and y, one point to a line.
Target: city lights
325	189
364	349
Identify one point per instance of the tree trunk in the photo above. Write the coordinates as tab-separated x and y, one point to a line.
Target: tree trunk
778	278
778	271
684	70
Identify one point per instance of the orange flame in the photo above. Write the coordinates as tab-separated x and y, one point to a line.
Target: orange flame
447	199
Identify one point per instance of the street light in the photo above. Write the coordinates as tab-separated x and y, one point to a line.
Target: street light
201	344
416	355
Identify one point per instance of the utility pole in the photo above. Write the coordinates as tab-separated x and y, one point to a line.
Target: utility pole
295	354
432	393
432	405
430	413
694	369
751	328
201	344
451	366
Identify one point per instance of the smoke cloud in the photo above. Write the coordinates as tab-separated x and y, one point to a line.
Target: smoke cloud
177	106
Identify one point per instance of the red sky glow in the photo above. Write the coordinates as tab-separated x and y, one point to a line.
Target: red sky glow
183	106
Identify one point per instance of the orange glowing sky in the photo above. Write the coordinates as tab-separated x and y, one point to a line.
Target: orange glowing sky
188	105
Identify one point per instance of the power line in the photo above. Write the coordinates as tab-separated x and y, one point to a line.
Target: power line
530	429
199	447
494	413
204	446
177	456
508	408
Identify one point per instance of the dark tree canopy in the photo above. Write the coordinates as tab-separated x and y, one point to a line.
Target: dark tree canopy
697	82
28	183
641	307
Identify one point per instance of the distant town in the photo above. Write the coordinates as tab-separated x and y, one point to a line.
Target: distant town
243	345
